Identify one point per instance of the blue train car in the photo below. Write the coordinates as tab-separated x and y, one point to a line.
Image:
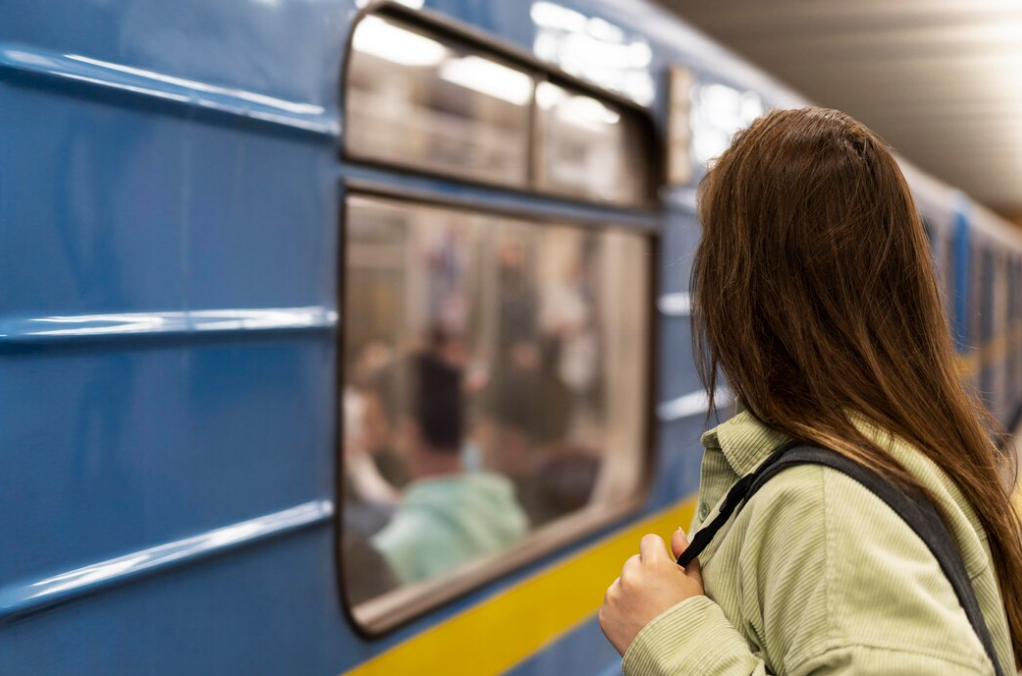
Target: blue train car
245	245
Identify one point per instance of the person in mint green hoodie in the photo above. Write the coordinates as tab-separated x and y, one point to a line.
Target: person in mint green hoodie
446	516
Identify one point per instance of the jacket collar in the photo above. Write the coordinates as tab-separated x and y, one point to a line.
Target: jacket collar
744	440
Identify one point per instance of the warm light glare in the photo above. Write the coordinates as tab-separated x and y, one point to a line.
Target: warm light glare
587	112
594	49
719	112
549	15
548	95
387	41
576	110
490	78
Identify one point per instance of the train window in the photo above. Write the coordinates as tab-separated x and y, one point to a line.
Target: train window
1010	276
1016	266
931	234
948	280
588	148
462	108
1009	290
494	395
718	113
975	295
987	316
423	103
1016	325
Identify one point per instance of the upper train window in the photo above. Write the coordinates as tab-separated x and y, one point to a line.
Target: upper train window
420	102
457	107
495	395
588	148
718	113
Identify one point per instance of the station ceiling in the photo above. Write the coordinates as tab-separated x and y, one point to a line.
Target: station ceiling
940	80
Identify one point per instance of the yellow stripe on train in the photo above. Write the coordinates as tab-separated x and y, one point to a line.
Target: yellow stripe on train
494	636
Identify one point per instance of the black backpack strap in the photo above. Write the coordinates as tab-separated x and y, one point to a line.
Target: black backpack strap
920	515
736	495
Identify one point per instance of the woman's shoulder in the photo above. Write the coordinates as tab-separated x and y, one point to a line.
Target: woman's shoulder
825	502
821	547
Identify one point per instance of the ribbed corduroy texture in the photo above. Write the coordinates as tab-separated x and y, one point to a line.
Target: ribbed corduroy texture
818	576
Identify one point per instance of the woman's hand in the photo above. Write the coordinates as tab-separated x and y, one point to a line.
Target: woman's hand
650	583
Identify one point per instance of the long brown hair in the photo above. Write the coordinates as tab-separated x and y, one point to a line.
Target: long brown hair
815	296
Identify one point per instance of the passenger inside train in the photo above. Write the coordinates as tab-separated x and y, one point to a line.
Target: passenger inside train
523	433
445	516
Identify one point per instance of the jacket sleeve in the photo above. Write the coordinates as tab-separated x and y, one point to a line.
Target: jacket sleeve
828	581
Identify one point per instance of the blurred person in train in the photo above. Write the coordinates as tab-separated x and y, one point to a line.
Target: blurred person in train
449	346
518	301
446	516
370	495
568	321
523	432
372	407
815	296
374	472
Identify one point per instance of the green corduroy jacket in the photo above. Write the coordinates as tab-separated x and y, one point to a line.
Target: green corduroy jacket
816	575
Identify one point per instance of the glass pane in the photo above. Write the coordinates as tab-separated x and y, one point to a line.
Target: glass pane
984	295
495	384
589	148
718	113
948	278
419	102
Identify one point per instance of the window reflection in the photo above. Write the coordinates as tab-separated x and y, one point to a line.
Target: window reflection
494	384
589	148
418	102
594	49
718	113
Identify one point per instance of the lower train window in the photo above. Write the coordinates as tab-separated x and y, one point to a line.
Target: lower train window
495	395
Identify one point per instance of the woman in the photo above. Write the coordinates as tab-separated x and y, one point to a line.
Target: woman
816	298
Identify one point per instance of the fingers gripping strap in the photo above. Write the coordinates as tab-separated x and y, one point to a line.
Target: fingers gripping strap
735	496
914	509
